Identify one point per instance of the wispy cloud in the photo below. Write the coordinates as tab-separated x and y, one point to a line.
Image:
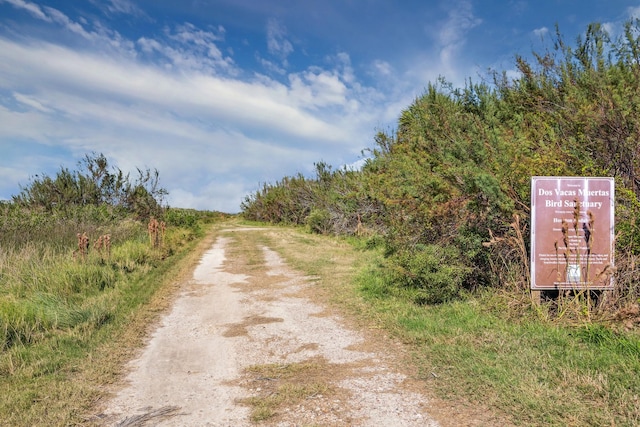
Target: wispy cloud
382	67
32	8
453	32
187	47
124	7
634	12
31	102
277	42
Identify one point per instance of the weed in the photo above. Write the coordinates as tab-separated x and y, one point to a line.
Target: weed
156	230
284	385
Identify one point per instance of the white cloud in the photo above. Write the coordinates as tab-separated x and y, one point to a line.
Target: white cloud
541	32
32	8
31	102
611	29
123	6
452	35
187	47
443	57
188	34
270	66
634	12
268	105
383	68
317	88
277	43
99	35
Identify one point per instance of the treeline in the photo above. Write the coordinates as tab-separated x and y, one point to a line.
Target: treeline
95	183
447	193
92	197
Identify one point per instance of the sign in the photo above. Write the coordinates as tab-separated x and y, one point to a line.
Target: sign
572	233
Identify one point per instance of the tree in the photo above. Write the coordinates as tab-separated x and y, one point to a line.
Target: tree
95	183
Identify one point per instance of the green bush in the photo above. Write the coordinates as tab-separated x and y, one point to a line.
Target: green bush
95	183
435	272
319	221
181	217
456	171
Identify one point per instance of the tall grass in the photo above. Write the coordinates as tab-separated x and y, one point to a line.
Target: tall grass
46	292
54	305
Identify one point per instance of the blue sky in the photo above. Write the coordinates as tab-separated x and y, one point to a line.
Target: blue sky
223	95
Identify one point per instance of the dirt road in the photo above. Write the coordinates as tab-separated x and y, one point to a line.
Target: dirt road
245	344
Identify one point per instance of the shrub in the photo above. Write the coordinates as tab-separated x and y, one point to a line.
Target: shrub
435	271
319	221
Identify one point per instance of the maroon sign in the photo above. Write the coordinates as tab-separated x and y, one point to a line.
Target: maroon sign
572	236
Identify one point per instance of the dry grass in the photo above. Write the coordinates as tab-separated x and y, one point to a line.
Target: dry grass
276	386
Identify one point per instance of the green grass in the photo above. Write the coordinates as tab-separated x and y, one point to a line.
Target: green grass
537	372
514	361
67	325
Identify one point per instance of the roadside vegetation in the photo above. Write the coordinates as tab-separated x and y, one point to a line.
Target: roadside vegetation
83	257
487	355
441	209
447	193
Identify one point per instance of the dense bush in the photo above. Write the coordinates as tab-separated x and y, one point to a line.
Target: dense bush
456	172
436	272
95	183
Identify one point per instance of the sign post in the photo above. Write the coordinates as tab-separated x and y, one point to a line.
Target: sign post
572	233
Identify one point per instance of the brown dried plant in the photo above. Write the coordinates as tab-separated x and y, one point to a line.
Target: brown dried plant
565	240
103	246
97	245
83	247
576	222
588	228
156	231
359	227
558	277
512	244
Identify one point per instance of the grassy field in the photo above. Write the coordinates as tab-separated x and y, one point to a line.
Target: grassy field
69	320
483	351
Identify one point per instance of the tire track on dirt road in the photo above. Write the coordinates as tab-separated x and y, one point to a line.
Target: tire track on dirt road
245	345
